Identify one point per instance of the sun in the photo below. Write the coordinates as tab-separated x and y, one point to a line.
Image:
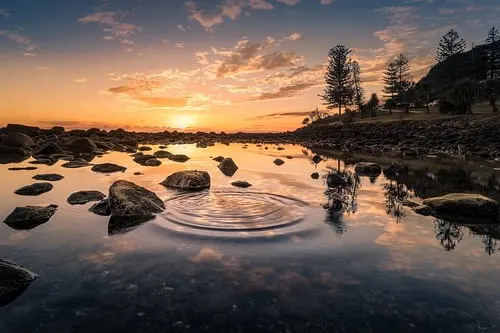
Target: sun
182	121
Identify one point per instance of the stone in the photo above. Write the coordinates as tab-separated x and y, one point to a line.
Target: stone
218	159
108	168
13	154
423	210
179	158
50	177
162	154
228	167
188	180
34	189
153	162
19	140
142	159
395	169
464	204
101	208
138	173
315	175
83	197
129	199
75	164
23	168
289	157
14	280
45	161
316	159
29	217
82	145
278	162
368	169
48	149
145	148
280	148
64	157
241	183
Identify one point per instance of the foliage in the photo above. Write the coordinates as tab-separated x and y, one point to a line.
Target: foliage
463	95
491	91
373	104
348	116
306	121
318	115
339	90
390	80
450	44
446	106
493	52
359	93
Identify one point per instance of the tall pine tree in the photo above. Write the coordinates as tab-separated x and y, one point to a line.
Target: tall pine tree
404	78
493	52
390	80
451	43
339	90
359	93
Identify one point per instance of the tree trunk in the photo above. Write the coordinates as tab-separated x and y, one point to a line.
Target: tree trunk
340	109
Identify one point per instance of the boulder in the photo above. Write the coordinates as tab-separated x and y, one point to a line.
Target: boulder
315	175
241	183
464	204
34	189
83	197
108	168
188	180
48	149
278	162
101	208
316	159
82	146
19	140
142	159
228	167
153	162
75	164
129	199
179	158
162	154
14	280
50	177
368	169
29	217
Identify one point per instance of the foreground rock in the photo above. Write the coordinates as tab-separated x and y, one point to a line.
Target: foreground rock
29	217
101	208
14	280
146	160
368	169
129	199
464	204
50	177
108	168
228	167
19	140
34	189
278	162
191	180
83	197
241	183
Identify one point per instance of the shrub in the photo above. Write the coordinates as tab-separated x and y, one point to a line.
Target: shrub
446	106
464	94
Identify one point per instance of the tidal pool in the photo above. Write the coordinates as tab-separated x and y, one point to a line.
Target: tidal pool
268	258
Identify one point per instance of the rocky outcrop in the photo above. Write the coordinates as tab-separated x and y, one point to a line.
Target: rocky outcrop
34	189
228	167
29	217
14	280
191	180
129	199
464	205
108	168
83	197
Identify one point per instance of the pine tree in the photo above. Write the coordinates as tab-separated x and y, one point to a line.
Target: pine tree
339	90
359	93
404	78
373	104
451	43
390	80
493	52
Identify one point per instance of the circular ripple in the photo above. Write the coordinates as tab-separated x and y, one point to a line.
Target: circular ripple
234	212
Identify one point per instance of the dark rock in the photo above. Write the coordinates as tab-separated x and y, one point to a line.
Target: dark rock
163	147
145	148
138	173
129	199
108	168
162	154
188	180
289	157
333	179
423	210
241	183
26	218
395	169
153	162
368	169
14	280
228	167
23	168
31	131
51	177
13	154
278	162
122	224
142	159
218	159
83	197
315	175
19	140
464	204
44	161
82	146
64	157
179	158
34	189
75	164
101	208
48	149
410	203
280	148
316	159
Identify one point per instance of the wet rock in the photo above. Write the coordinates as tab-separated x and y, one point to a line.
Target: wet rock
316	159
368	169
101	208
179	158
19	140
29	217
218	159
423	210
142	159
50	177
108	168
241	183
82	146
83	197
23	168
145	148
34	189
14	280
280	148
139	153
48	149
289	157
122	224
315	175
163	147
278	162
64	157
188	180
153	162
129	199
75	164
44	161
138	173
228	167
162	154
13	154
464	204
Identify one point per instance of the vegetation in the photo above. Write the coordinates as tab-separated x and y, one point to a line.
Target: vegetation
450	44
464	95
391	83
359	93
493	52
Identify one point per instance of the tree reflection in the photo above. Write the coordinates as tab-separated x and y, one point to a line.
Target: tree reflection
448	234
395	195
490	244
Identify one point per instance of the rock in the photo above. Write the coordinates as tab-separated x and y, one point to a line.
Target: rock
51	177
188	180
122	224
145	148
75	164
139	153
83	197
129	199
138	173
423	210
82	145
280	148
162	154
108	168
410	203
179	158
34	189
19	140
13	154
228	167
464	204
14	280
368	169
240	183
218	159
64	157
153	162
142	159
162	147
48	149
334	179
101	208
45	161
315	175
289	157
23	168
278	162
316	159
29	217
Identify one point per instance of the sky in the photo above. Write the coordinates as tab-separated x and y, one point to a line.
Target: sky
206	65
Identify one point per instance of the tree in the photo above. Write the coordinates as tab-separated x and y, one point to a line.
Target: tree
390	80
306	121
359	93
317	115
339	90
403	77
451	43
373	104
464	95
493	52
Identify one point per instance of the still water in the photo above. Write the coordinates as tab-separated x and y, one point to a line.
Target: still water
268	258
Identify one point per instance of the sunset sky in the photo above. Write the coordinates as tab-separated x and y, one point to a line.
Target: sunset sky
221	65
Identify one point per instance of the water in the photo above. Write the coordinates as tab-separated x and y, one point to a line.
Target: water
268	258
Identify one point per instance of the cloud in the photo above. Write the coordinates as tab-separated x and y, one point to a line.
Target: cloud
283	114
4	12
164	101
114	25
326	2
284	92
81	80
295	36
25	42
179	45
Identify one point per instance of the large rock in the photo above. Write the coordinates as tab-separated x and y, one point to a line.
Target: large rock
50	177
143	159
83	197
129	199
108	168
464	204
48	149
162	154
188	180
14	280
101	208
368	169
26	218
34	189
228	167
18	140
179	158
82	146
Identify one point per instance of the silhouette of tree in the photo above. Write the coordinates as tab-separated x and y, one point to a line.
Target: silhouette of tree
339	90
373	104
404	78
450	44
395	194
493	52
390	80
490	244
448	234
306	121
359	93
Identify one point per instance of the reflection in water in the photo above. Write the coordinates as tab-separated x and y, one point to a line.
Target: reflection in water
448	234
395	195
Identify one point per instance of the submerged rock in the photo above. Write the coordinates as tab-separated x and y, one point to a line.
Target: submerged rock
368	169
29	217
278	162
129	199
51	177
162	154
83	197
34	189
241	183
14	280
228	167
75	164
122	224
101	208
108	168
179	158
464	204
188	180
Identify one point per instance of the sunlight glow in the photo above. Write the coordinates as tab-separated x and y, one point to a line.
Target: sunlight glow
182	121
